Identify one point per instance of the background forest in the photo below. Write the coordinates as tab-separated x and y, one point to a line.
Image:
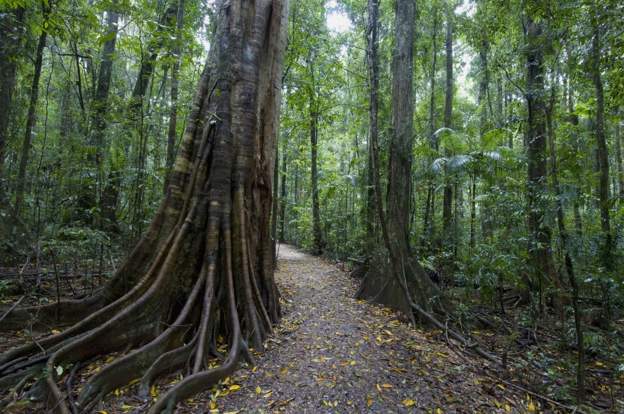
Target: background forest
526	235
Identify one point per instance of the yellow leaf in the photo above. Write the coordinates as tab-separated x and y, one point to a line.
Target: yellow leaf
387	385
531	407
154	391
102	412
408	402
213	405
439	411
55	331
126	408
507	408
258	390
234	387
369	402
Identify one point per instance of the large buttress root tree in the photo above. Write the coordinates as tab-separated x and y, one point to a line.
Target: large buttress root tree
203	270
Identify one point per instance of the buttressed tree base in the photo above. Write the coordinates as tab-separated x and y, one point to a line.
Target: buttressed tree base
204	268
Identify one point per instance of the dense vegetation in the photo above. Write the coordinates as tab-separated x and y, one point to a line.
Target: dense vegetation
476	144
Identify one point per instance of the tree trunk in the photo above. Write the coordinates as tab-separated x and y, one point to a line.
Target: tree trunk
11	25
99	109
31	118
569	265
405	279
447	202
173	111
540	233
283	195
574	121
372	42
603	156
319	244
618	156
202	275
429	216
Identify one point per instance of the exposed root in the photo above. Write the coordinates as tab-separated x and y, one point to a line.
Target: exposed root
200	273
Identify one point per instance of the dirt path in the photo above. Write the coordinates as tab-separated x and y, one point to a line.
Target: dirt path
332	353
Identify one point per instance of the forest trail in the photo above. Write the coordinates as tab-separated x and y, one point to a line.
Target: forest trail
334	354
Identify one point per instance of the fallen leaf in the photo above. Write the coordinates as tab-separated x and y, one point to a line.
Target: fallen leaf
408	402
234	387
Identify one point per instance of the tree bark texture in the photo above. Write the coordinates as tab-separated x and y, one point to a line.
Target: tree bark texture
31	118
403	285
540	233
204	268
11	25
601	143
447	213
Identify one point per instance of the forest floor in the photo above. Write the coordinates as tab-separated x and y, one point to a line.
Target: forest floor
332	353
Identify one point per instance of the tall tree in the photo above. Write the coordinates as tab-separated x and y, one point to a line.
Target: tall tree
447	213
601	142
428	219
175	73
11	25
313	120
99	105
405	286
204	268
540	233
372	58
31	117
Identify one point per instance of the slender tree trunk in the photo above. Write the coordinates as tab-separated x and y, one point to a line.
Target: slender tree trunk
447	202
173	110
482	99
574	121
204	268
283	196
602	152
99	109
31	118
373	109
316	211
618	156
569	264
405	278
11	25
540	233
473	212
429	216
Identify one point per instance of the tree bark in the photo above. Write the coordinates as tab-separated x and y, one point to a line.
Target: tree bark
429	216
372	42
405	280
99	109
601	143
283	196
540	233
173	110
11	25
31	118
319	244
203	270
618	156
447	202
569	264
